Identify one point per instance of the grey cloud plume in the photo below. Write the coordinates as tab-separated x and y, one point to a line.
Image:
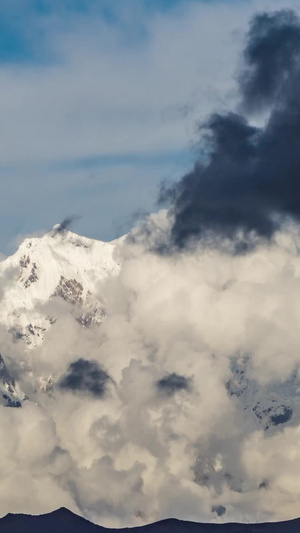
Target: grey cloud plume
173	383
246	182
65	224
271	60
85	376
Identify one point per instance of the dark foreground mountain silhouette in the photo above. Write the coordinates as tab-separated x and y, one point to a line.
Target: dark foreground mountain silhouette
64	521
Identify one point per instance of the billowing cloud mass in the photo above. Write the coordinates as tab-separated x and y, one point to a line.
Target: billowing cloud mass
185	401
201	409
247	179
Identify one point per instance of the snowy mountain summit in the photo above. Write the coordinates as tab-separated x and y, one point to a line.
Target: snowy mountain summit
60	265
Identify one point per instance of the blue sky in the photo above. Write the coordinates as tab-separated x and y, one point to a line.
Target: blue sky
101	100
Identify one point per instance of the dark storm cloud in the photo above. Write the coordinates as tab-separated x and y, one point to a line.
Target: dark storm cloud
173	383
271	58
85	376
219	509
250	179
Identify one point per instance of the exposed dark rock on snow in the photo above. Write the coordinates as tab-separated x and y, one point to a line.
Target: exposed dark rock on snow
11	393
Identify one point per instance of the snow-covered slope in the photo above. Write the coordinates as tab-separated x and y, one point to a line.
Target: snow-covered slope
60	264
265	407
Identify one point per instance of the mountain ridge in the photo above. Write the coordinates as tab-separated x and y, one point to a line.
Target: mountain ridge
63	520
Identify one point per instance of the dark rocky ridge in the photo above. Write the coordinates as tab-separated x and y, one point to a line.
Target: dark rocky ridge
64	521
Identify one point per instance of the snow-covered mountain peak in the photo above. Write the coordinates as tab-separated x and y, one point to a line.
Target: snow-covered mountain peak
58	264
59	237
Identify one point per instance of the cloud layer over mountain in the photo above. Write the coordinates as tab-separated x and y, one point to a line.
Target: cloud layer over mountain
146	416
